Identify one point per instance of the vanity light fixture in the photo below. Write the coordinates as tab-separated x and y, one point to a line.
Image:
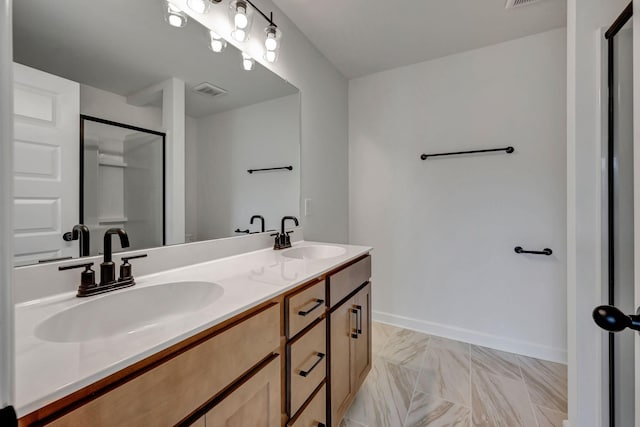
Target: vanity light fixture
218	44
241	17
272	43
173	15
247	62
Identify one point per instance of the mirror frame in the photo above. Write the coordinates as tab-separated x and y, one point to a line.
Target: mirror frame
86	118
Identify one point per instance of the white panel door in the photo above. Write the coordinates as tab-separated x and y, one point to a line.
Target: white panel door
46	164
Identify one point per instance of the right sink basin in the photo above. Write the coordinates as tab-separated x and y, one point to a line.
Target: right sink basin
315	252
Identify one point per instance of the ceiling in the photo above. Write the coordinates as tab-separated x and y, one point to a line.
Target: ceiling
361	37
124	46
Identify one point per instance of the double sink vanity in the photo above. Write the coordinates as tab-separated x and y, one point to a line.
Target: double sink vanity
264	338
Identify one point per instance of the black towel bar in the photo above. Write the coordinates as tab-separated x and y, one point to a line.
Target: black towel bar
507	150
545	251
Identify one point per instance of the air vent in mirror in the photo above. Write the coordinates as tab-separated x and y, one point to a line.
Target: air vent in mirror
511	4
209	90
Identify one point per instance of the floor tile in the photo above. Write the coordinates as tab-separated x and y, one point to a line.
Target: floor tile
440	342
380	333
499	401
406	348
385	396
350	423
446	374
431	411
546	381
495	362
548	417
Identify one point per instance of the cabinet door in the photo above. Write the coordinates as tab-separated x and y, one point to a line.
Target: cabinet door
342	381
362	344
255	403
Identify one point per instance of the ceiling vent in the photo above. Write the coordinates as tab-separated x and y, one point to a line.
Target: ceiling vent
512	4
209	90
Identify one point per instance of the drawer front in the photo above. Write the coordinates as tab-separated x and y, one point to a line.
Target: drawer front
307	366
315	414
348	280
171	391
255	403
305	307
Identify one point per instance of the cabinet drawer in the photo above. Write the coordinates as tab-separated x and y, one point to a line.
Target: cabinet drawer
346	281
304	307
307	366
254	403
168	393
315	414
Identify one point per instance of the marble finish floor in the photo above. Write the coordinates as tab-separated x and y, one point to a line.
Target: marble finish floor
419	380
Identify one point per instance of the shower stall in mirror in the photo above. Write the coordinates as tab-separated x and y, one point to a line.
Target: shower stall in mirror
619	265
122	182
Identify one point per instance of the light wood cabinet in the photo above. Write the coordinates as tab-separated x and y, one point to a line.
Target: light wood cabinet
166	394
297	360
350	350
315	413
255	403
307	365
362	344
304	307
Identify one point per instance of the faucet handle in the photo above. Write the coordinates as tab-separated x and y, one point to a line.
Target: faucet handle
125	268
86	265
87	278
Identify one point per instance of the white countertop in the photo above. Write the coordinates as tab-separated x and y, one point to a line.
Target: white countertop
47	371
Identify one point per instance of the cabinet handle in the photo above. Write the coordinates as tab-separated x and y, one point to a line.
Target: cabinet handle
318	303
317	362
359	319
354	334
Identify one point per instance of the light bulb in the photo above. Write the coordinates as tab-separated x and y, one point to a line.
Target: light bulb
270	56
240	19
198	6
175	20
271	43
174	16
247	62
218	44
239	35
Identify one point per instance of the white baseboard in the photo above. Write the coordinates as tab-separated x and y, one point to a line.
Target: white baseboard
474	337
565	423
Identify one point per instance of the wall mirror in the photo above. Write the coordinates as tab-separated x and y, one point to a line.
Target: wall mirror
146	130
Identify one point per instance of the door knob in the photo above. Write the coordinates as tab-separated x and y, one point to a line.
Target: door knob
613	320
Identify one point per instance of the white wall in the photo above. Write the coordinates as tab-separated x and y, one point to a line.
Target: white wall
110	106
191	144
584	257
324	99
257	136
444	230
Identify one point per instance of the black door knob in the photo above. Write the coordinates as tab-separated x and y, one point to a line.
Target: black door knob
613	320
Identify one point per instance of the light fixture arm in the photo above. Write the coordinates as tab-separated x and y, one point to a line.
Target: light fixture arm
269	18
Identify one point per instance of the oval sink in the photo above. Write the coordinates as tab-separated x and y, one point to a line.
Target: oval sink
128	312
314	252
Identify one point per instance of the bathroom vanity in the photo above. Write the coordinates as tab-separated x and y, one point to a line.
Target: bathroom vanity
266	338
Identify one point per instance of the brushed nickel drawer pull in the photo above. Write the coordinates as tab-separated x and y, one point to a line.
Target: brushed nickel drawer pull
318	303
317	362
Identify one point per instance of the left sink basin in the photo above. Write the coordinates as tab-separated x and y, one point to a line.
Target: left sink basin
128	311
